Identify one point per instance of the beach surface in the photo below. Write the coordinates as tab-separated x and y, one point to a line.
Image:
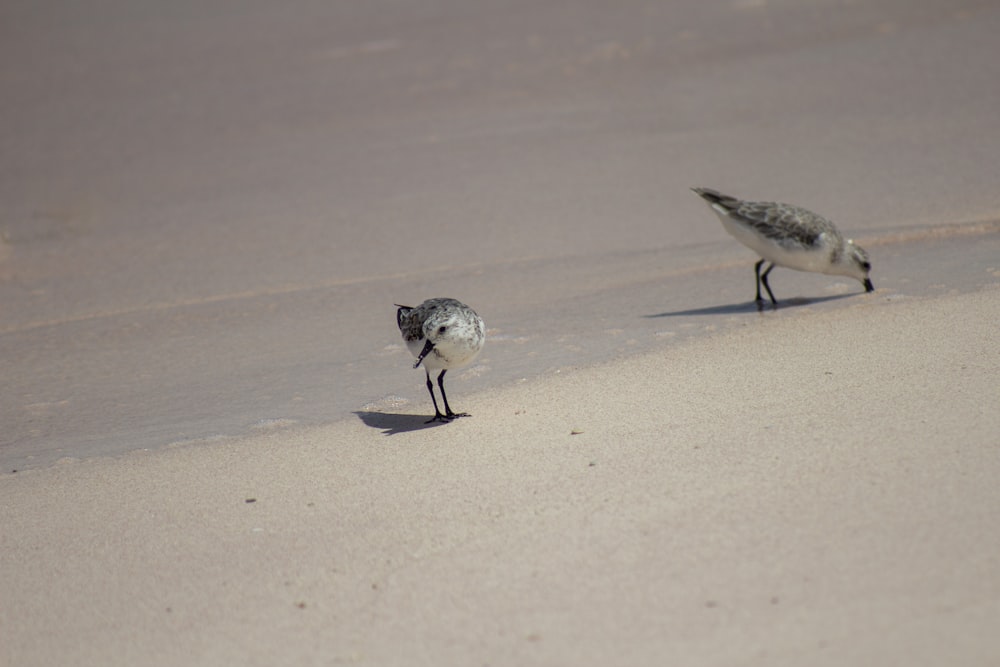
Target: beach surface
212	439
813	489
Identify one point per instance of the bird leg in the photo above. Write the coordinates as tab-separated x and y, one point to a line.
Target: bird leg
438	417
447	408
763	279
756	271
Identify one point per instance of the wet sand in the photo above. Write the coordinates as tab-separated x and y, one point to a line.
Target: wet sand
209	212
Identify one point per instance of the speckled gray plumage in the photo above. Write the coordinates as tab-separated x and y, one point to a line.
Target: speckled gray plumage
442	334
788	236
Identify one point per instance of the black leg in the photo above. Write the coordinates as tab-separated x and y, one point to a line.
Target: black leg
438	417
756	272
447	408
763	279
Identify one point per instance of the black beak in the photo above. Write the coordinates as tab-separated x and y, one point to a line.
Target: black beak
428	346
868	285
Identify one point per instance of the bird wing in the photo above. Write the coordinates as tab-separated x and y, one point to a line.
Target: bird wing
784	222
402	317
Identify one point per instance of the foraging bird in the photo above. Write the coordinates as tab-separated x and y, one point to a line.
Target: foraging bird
789	236
445	334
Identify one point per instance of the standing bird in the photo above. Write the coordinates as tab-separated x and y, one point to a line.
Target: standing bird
788	236
445	334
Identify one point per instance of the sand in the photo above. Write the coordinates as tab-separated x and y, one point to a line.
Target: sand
813	489
212	447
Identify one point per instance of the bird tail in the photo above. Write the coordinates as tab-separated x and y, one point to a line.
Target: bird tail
716	197
401	313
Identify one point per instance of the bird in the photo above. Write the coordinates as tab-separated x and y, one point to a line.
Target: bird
442	334
788	236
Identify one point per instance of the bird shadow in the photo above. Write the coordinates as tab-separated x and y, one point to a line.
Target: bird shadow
749	307
393	423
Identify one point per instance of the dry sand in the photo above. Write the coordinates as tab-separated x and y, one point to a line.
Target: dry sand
811	489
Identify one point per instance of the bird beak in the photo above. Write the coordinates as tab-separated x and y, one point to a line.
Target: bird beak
868	285
428	346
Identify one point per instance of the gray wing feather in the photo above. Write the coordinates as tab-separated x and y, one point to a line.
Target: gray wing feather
409	322
784	222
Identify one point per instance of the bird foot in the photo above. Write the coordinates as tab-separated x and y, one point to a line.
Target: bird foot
444	419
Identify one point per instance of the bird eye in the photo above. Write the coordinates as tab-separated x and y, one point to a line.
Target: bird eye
442	329
866	266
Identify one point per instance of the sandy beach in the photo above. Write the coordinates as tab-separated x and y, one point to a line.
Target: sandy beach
674	507
212	439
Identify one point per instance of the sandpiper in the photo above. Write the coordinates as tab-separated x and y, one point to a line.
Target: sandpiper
789	236
445	334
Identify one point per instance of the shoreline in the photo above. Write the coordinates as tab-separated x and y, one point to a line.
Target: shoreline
313	376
